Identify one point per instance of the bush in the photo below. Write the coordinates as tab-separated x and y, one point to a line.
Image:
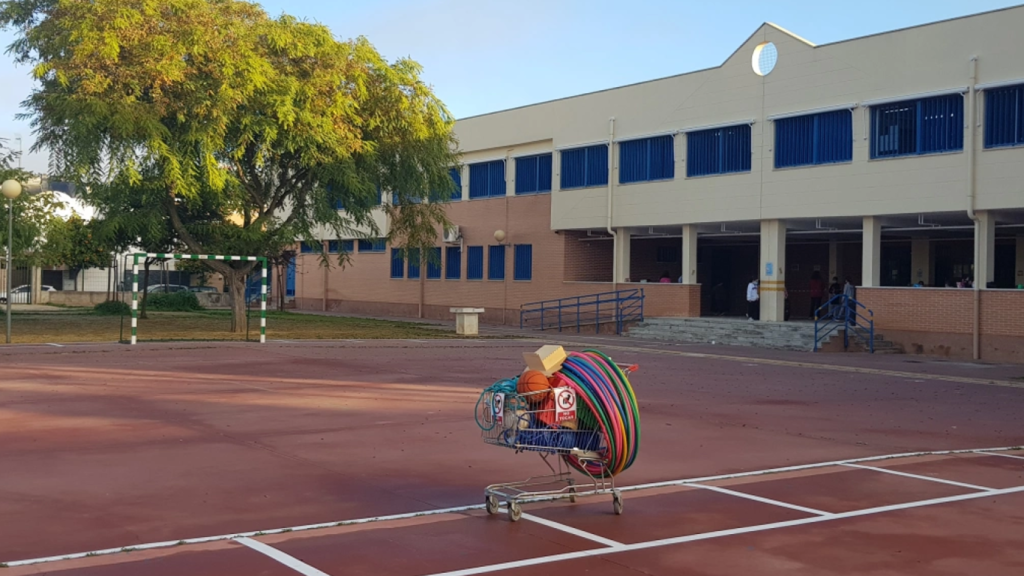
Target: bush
112	308
172	302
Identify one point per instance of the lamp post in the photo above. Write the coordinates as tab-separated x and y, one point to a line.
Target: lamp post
11	189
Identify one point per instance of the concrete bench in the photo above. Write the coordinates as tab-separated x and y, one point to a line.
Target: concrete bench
467	320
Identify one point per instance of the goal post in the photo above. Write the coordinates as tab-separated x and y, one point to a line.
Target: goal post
135	283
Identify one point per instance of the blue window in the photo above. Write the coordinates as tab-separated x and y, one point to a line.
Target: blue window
453	263
456	174
524	262
647	159
397	264
309	247
414	264
289	286
434	264
487	179
380	196
373	245
496	262
533	174
718	151
912	127
339	205
585	167
824	138
475	263
411	200
1004	116
346	245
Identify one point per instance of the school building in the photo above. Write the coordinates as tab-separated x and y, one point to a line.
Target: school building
895	159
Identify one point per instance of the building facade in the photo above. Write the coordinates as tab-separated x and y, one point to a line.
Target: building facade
896	160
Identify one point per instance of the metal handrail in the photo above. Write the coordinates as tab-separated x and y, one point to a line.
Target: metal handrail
838	313
619	307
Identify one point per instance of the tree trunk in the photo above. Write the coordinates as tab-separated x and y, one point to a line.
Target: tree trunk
145	287
236	287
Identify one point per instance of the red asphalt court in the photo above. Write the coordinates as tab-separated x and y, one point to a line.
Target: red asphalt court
107	447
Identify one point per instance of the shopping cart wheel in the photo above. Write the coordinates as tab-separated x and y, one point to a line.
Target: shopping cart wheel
492	504
572	494
617	502
514	511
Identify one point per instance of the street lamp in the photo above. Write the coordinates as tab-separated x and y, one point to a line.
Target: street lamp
11	189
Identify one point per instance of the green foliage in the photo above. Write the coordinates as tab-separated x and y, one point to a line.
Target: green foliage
112	308
173	301
240	130
33	214
75	244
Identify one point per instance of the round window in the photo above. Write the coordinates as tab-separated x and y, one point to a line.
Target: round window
764	58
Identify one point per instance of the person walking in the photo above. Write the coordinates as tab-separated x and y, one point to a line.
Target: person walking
753	301
817	291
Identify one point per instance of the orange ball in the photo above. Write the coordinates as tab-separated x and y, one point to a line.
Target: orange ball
534	385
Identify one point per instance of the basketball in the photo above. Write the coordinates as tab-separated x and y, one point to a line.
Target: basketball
530	383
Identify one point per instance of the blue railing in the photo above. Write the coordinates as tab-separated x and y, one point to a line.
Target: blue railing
619	307
844	312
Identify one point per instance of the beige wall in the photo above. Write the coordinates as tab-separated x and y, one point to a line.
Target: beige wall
891	65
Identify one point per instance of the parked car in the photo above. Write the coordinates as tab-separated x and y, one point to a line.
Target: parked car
203	289
23	289
166	288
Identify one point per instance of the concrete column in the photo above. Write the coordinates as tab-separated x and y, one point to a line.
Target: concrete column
1019	276
871	262
773	270
833	260
622	242
690	254
984	248
922	268
465	181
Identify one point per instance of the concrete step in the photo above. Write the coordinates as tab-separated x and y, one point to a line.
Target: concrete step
741	332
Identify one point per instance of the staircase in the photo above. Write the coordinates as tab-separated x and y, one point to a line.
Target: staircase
741	332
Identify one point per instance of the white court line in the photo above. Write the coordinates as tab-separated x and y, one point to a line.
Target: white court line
52	344
571	530
289	561
457	509
918	477
760	499
1003	455
723	533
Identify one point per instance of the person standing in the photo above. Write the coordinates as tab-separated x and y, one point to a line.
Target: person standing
834	289
850	291
753	301
817	291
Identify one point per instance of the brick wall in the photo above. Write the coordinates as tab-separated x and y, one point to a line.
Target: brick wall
564	265
670	300
940	321
643	259
587	259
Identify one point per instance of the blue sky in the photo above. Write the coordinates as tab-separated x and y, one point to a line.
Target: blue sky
487	55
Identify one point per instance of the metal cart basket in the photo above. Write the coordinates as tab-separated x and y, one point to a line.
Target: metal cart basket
546	422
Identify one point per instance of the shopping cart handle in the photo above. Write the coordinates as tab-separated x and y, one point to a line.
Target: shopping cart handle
628	368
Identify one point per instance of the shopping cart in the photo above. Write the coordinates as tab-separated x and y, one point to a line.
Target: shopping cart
566	436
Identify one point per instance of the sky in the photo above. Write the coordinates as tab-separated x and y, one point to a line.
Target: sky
486	55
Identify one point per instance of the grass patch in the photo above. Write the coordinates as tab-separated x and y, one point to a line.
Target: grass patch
88	326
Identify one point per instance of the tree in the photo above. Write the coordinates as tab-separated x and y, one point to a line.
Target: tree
256	128
132	218
33	214
74	243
